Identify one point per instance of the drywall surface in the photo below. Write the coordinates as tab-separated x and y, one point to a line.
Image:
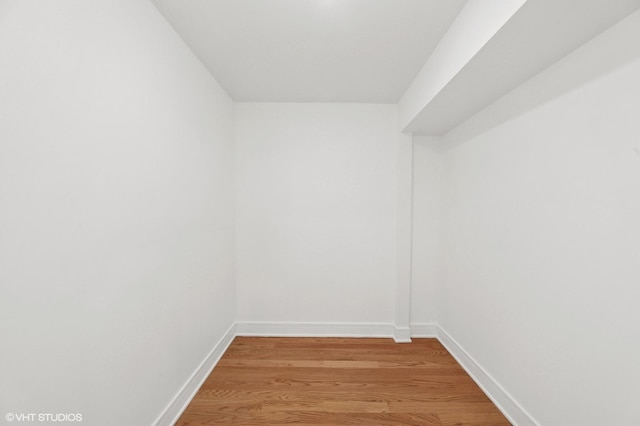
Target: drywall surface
541	238
404	234
116	211
316	212
476	23
427	208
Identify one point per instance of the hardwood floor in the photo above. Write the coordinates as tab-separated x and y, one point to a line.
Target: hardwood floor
332	381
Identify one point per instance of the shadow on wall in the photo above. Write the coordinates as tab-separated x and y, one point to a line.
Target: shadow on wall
589	62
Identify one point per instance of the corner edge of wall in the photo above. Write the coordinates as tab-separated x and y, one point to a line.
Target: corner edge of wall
511	409
181	400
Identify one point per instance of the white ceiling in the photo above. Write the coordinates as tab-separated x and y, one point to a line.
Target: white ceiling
312	50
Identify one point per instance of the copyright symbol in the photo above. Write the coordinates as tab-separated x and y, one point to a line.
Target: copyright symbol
9	417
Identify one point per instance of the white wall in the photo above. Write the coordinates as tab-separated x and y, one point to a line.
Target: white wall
316	212
116	210
542	237
426	241
475	24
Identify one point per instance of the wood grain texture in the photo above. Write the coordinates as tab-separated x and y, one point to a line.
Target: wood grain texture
337	381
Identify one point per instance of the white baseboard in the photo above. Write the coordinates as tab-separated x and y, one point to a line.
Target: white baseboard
424	330
505	403
280	329
402	334
182	399
284	329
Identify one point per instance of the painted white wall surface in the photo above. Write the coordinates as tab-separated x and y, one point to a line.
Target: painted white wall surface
542	239
475	24
404	237
427	207
116	210
316	212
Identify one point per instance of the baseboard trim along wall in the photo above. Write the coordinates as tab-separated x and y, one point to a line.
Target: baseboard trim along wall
424	330
402	334
505	403
298	329
179	403
500	397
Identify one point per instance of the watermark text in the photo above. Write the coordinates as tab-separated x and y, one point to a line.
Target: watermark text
43	417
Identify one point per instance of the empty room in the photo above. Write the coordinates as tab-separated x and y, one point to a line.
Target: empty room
377	212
